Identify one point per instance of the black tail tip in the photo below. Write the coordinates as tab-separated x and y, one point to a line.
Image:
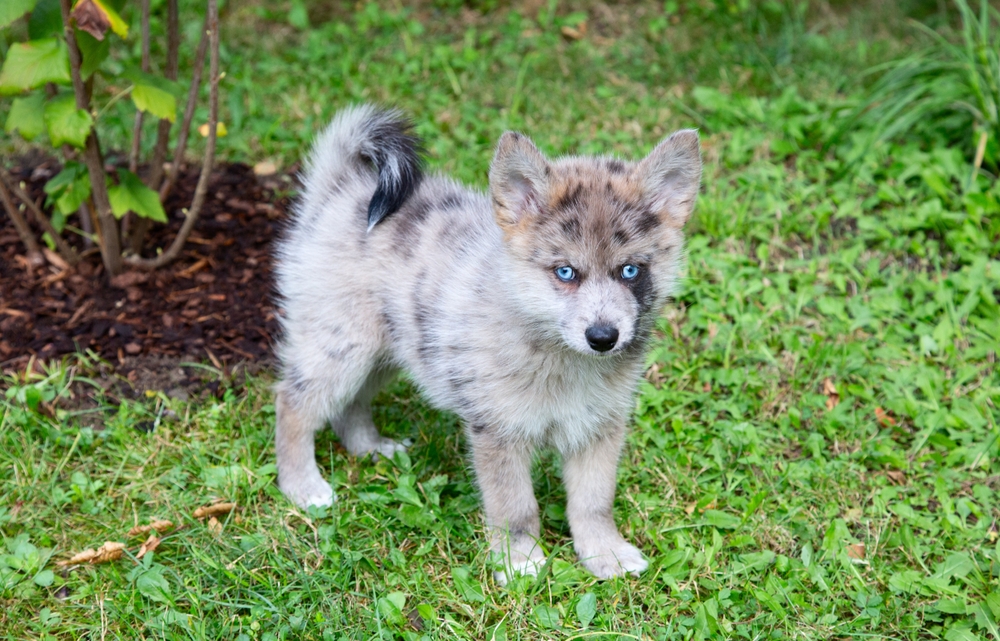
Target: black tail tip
395	150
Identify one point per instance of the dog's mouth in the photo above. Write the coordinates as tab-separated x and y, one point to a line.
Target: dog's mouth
586	350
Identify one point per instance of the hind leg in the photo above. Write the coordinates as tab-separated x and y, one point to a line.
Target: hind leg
355	427
326	370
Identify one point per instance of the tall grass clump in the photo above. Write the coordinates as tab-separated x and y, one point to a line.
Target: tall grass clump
948	92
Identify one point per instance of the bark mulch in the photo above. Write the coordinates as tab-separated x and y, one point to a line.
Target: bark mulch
214	303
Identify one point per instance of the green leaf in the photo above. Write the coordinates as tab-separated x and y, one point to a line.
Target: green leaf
993	601
218	476
26	116
34	63
407	494
426	612
547	616
985	619
961	632
905	581
957	564
155	101
131	195
721	520
69	188
65	123
11	10
391	608
46	20
117	24
757	560
45	578
468	587
298	17
153	94
153	585
94	52
586	609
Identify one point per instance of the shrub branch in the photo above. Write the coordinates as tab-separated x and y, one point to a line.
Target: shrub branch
191	215
133	158
64	249
107	229
192	101
34	254
155	178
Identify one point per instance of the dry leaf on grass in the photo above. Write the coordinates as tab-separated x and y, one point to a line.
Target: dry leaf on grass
151	544
830	390
574	33
214	510
896	476
110	551
655	376
884	418
215	526
160	525
690	509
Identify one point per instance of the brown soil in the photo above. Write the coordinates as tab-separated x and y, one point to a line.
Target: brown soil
214	304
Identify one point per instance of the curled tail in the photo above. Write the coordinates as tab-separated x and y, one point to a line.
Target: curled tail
363	137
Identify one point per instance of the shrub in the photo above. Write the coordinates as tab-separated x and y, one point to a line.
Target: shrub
51	77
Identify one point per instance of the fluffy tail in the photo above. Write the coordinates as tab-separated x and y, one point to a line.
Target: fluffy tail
363	137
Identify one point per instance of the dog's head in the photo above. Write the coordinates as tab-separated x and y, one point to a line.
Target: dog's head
596	242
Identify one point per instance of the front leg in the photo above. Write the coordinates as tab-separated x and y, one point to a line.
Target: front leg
589	475
503	470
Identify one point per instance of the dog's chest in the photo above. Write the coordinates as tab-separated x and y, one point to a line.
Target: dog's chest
552	400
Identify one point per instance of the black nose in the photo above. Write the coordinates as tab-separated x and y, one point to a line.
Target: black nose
601	337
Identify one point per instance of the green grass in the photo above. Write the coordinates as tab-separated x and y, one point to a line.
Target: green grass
769	508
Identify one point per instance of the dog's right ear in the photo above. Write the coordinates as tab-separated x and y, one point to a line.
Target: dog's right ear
519	179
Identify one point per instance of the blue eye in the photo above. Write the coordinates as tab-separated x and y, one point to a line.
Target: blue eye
565	273
630	271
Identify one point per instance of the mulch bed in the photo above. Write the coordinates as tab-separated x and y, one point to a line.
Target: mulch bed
214	304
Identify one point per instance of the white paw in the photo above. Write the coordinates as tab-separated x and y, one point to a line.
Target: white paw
387	447
617	560
306	491
526	568
525	557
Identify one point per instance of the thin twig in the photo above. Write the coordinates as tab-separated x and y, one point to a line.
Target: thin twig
155	177
86	224
35	257
163	132
182	134
111	252
133	158
212	21
129	220
68	253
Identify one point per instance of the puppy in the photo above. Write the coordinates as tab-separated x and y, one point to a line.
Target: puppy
526	310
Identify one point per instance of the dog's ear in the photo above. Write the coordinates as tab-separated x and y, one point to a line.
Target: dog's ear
519	179
670	175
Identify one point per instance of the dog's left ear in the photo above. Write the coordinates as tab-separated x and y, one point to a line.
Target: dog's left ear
670	176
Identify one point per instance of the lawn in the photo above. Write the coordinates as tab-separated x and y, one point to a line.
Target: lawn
815	451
